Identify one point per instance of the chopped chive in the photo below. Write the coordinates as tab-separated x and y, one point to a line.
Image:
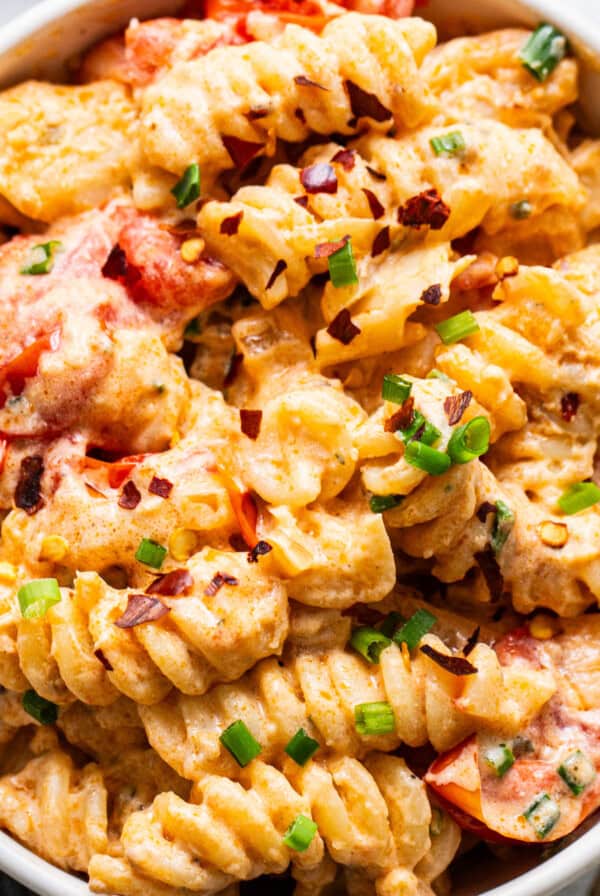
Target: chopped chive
41	710
238	740
36	597
503	523
42	258
369	643
578	497
542	815
470	440
451	144
422	456
416	628
342	267
421	430
577	771
435	374
374	718
543	50
381	503
391	623
151	553
500	759
457	327
521	210
300	833
395	388
301	747
187	190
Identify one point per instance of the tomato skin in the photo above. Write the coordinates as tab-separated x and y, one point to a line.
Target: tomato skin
117	471
25	364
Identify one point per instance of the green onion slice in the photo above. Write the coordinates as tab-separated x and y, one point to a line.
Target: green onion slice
36	597
369	643
395	388
342	267
42	258
240	743
435	374
543	51
503	523
41	710
381	503
374	718
417	626
301	747
542	815
521	210
578	497
451	144
457	327
422	456
300	833
427	432
187	190
577	771
500	759
151	553
470	440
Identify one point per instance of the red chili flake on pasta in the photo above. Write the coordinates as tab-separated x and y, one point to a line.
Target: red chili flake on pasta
378	175
217	582
381	242
427	208
141	608
100	656
319	178
491	573
456	405
235	364
303	81
115	265
279	268
432	295
28	493
130	496
259	550
455	665
471	641
346	158
324	250
484	510
241	151
377	209
569	405
366	105
231	225
160	487
402	418
342	328
172	584
250	422
301	200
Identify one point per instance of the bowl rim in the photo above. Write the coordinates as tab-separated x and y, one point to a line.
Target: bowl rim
550	875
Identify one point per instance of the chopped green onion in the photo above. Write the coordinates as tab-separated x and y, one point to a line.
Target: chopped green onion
41	710
151	553
435	374
578	497
374	718
369	643
542	815
187	190
42	258
543	51
429	435
470	440
521	210
577	771
422	456
500	759
451	144
417	626
300	833
503	523
342	267
390	624
381	503
36	597
457	327
301	747
240	743
395	388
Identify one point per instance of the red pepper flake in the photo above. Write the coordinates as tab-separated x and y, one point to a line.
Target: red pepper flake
346	158
217	582
238	542
140	609
378	175
28	493
402	417
130	496
259	550
456	405
455	665
241	151
231	225
491	573
432	295
235	364
569	405
342	328
366	105
319	178
303	81
258	112
377	209
324	250
484	511
172	584
279	268
160	487
100	656
299	113
301	200
381	242
115	265
250	422
427	208
471	641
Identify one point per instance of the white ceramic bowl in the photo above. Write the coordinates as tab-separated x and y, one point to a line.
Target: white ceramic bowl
37	44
